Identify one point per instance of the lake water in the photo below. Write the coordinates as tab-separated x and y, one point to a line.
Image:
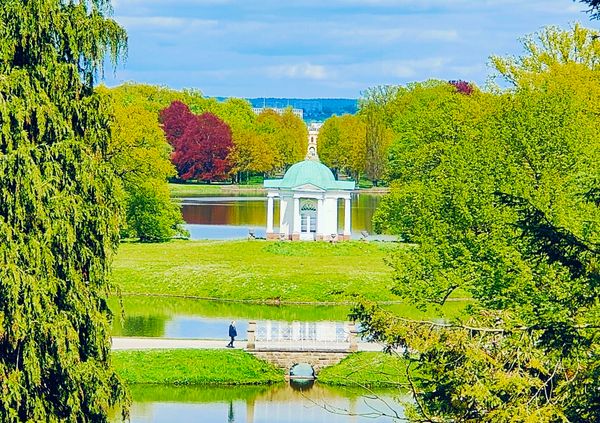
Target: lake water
280	403
172	317
231	217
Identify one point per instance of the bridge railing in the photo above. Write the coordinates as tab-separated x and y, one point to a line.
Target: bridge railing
302	336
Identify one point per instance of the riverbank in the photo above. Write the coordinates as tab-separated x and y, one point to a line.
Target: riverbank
202	190
237	367
257	271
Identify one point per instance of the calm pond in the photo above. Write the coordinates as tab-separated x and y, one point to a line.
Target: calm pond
172	317
230	217
280	403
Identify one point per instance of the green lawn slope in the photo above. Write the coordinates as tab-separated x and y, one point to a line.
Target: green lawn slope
256	270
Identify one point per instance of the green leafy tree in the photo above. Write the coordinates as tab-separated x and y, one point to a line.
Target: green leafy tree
508	214
427	119
292	137
251	152
342	144
152	98
378	140
355	136
286	137
140	156
238	114
331	152
377	113
267	127
59	212
151	215
550	47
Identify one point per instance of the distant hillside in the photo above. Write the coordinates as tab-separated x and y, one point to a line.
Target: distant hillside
315	109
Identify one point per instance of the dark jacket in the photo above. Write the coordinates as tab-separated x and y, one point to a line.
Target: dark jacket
232	331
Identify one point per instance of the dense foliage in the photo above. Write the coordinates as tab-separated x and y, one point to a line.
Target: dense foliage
547	49
201	144
175	119
499	196
59	212
202	151
266	143
342	144
140	155
285	136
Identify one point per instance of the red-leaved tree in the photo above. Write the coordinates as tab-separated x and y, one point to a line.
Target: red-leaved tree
462	87
175	120
202	151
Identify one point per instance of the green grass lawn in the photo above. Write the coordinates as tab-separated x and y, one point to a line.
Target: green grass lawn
260	271
194	367
237	367
369	369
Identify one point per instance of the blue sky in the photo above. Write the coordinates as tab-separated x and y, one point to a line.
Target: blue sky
323	48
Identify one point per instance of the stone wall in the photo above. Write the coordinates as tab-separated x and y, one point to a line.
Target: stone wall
286	359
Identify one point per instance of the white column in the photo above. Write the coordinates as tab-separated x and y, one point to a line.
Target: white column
269	215
320	217
296	228
283	203
347	216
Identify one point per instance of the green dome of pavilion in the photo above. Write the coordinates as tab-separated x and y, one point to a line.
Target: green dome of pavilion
310	172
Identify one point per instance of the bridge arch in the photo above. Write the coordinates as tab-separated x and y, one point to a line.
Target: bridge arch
288	344
302	371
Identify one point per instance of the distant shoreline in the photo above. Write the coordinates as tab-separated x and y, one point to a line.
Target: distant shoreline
195	190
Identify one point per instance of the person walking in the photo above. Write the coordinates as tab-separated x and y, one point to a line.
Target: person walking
232	334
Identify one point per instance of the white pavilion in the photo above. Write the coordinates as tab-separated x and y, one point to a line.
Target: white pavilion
308	203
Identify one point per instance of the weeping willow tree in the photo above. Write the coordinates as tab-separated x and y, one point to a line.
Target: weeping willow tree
59	211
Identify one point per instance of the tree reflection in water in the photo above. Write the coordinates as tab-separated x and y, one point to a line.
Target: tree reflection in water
230	414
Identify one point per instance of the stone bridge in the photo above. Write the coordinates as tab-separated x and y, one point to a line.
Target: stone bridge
319	344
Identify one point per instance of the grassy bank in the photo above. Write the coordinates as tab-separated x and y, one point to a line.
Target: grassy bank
194	367
256	270
369	369
236	367
202	190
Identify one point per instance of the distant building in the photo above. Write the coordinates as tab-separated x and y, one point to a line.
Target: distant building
280	110
313	136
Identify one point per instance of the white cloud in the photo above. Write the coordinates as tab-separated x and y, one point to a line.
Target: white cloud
163	22
126	3
301	70
324	48
387	35
411	68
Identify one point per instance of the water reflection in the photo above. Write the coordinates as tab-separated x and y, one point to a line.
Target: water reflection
248	211
274	404
171	317
231	217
